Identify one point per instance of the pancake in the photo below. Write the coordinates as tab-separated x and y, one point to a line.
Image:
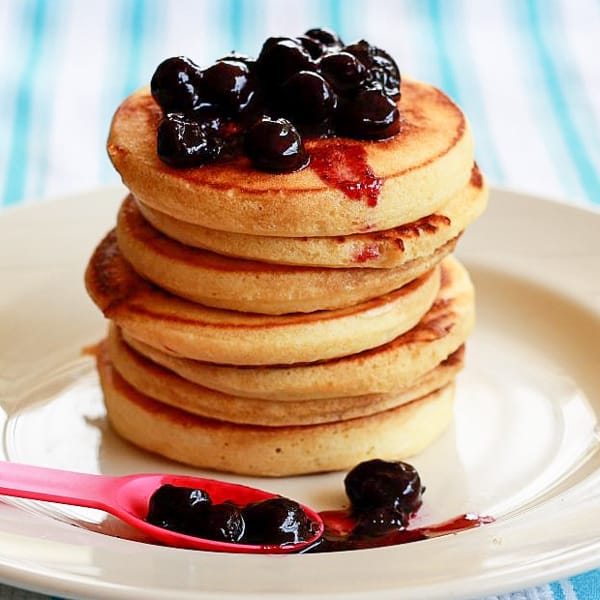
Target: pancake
165	386
351	186
380	249
393	434
381	370
195	331
250	286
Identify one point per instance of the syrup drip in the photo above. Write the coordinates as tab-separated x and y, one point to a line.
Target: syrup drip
339	524
368	252
344	166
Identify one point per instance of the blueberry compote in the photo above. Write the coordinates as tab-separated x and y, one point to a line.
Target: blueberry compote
308	86
383	496
276	521
378	484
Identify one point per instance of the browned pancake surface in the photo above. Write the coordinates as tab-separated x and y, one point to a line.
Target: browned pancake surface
200	332
251	286
379	370
393	434
380	249
166	386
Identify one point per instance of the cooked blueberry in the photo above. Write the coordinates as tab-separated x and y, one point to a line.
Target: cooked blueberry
229	84
239	57
280	58
275	145
276	521
322	87
313	46
171	503
325	36
184	142
272	41
220	522
379	521
308	98
371	115
343	71
384	484
208	116
175	83
382	69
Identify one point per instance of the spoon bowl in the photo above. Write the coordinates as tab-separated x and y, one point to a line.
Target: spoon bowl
127	497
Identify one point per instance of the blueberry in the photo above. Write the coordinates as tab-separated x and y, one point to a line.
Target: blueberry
280	58
276	521
207	115
230	84
170	504
381	484
175	84
275	145
343	71
308	98
370	114
382	69
322	87
325	36
312	46
239	57
220	522
379	521
183	142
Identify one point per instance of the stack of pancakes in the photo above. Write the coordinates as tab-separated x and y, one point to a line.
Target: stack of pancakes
273	324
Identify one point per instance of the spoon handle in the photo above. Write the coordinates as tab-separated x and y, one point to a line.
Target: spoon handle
54	485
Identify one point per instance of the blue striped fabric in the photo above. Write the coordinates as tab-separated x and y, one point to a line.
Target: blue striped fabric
525	71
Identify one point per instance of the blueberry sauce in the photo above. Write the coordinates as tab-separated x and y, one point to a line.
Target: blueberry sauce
340	532
310	86
382	70
343	165
384	484
384	496
275	145
366	253
276	521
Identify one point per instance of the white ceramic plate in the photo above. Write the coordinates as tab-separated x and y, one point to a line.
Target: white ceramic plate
524	448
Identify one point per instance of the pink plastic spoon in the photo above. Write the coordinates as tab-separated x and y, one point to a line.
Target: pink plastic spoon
127	498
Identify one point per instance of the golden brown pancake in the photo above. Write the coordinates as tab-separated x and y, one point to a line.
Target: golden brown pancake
166	386
279	324
396	433
192	330
380	249
380	370
250	286
351	186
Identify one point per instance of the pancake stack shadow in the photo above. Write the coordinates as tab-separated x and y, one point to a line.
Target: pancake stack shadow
279	354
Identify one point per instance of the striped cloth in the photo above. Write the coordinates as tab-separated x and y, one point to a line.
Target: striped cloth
525	71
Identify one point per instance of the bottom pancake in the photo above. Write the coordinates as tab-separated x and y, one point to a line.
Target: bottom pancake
393	434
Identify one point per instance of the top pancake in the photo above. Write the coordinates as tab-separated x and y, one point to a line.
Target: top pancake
418	171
